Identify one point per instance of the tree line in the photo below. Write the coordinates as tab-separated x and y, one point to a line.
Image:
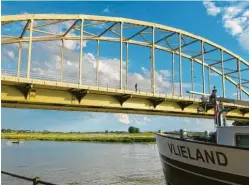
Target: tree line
131	129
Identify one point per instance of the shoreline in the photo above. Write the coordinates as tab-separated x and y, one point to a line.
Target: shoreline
84	137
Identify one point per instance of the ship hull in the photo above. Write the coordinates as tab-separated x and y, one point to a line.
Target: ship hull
187	162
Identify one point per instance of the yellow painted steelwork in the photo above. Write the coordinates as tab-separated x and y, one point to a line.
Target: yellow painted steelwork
63	96
27	92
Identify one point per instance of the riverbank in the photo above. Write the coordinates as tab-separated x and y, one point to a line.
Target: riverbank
103	137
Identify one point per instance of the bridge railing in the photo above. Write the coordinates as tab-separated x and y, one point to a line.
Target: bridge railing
35	180
88	82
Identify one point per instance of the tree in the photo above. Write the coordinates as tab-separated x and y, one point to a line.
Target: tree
8	130
106	131
132	129
137	130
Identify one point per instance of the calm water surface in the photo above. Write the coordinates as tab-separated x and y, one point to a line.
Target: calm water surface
82	163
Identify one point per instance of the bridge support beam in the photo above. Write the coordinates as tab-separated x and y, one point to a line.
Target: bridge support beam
156	101
30	48
180	61
97	65
153	62
244	111
173	73
209	87
223	75
192	76
203	68
123	98
27	90
127	55
78	94
81	50
62	59
121	55
19	59
239	76
184	105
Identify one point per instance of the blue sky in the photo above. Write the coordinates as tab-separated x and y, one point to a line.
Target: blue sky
216	21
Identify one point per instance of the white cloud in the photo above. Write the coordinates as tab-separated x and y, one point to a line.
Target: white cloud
244	39
246	13
211	8
147	119
165	73
145	71
71	44
231	11
139	119
106	10
24	12
74	44
235	19
60	28
11	54
98	24
235	94
123	118
234	26
214	74
25	45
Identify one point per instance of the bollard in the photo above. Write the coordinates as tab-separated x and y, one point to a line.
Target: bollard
183	134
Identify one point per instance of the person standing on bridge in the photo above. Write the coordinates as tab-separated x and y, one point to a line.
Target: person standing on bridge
136	87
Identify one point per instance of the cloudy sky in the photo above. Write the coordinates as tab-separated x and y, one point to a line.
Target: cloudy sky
225	23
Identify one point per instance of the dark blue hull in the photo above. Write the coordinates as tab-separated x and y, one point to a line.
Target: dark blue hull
177	173
183	170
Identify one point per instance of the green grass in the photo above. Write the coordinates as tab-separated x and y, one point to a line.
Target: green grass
110	137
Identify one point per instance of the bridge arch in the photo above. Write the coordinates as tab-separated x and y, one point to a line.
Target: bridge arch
239	81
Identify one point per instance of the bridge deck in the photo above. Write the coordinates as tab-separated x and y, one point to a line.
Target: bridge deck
41	94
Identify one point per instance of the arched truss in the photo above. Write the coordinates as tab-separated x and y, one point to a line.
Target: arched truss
118	27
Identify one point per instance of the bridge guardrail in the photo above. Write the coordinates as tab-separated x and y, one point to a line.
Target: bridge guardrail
88	82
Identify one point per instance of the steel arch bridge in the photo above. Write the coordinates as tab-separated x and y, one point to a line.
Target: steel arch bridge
29	89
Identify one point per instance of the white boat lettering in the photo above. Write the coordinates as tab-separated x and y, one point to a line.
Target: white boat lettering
205	156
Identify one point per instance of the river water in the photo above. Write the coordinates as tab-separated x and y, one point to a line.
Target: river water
78	163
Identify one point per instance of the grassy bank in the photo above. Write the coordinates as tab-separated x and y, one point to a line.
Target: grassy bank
110	137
